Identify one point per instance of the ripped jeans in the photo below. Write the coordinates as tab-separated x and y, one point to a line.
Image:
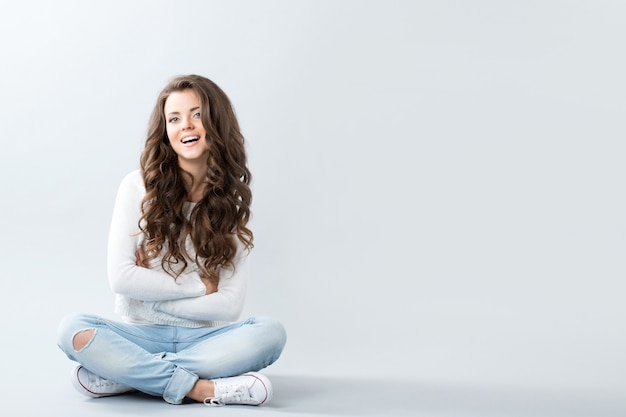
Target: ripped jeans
167	361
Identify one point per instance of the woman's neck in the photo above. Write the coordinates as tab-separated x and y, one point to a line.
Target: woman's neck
196	193
195	189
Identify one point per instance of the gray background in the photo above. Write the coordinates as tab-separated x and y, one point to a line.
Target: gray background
439	202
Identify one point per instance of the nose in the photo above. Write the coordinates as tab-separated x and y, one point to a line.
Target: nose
188	125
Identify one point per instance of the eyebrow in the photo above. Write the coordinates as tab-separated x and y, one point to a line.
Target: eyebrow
190	110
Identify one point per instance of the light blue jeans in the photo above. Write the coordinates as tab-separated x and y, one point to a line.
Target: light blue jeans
167	361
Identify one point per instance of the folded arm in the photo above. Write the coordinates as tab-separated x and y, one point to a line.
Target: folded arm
225	304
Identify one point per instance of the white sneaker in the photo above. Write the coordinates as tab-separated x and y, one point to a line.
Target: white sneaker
92	385
248	389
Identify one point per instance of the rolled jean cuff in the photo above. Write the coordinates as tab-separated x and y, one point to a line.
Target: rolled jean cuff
179	386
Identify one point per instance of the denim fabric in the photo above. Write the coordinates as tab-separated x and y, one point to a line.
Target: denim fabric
167	361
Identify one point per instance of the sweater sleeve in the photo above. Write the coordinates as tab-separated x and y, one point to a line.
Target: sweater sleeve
125	277
226	304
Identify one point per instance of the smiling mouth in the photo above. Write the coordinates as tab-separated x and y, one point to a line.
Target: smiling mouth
190	139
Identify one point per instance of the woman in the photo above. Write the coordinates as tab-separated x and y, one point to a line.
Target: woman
177	255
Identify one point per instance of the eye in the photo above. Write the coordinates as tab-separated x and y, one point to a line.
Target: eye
197	115
173	119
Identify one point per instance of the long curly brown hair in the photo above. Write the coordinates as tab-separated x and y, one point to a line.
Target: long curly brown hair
224	210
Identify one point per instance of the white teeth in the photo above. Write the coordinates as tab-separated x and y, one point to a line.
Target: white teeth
190	139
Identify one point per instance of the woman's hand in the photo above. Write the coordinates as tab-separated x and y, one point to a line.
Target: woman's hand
140	258
211	286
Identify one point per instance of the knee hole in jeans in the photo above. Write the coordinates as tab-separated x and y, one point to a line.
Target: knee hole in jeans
82	338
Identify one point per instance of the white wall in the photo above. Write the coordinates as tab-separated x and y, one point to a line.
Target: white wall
439	186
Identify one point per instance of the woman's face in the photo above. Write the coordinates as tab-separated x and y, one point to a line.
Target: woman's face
184	127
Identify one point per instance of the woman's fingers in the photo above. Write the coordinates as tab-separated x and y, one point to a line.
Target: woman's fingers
140	258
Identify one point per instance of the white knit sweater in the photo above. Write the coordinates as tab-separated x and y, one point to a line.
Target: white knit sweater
150	295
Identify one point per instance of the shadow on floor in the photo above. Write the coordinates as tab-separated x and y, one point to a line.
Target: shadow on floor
384	397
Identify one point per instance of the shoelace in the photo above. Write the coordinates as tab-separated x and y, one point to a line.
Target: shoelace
98	381
236	395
